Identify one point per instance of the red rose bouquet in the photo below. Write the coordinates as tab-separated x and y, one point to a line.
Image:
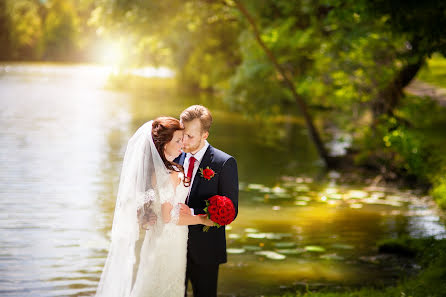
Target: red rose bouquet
220	210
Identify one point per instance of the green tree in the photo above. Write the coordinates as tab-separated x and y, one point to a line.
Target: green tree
287	79
351	57
198	39
61	30
25	29
5	50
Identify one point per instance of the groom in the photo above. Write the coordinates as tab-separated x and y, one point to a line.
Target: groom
206	250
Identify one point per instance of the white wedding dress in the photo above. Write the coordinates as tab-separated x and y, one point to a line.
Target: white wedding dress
145	263
163	272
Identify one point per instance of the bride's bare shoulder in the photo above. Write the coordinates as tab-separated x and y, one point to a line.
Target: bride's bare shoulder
175	176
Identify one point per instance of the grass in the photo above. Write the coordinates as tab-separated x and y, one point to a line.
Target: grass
434	71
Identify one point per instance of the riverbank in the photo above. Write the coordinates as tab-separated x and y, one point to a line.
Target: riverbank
430	255
406	150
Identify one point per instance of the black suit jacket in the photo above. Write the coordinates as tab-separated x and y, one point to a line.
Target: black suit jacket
210	247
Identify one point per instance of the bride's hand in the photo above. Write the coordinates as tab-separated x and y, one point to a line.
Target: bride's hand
146	217
184	209
204	220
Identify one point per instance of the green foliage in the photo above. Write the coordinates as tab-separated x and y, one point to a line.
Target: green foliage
406	147
438	190
51	30
61	29
421	23
25	25
255	88
197	39
341	55
414	110
4	30
410	145
397	148
210	56
434	71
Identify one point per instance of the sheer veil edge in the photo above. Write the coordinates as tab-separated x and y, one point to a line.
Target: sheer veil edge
144	184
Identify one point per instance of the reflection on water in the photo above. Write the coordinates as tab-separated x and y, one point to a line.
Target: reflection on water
62	140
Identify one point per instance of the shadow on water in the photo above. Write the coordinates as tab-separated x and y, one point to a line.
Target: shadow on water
63	136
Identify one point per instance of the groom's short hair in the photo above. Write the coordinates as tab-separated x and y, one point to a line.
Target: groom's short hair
197	112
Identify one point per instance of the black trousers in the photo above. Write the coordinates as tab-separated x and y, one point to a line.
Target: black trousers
203	277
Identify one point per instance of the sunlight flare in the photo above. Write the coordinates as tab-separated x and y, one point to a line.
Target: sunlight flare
113	53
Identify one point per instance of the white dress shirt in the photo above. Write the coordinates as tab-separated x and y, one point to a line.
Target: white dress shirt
198	156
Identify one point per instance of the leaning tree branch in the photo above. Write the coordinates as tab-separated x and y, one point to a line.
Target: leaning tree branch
289	83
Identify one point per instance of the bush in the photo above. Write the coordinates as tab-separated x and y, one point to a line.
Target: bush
396	148
438	191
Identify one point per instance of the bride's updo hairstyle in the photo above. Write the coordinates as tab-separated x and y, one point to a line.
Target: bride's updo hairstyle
162	132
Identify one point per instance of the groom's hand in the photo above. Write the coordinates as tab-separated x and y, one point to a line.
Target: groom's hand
184	209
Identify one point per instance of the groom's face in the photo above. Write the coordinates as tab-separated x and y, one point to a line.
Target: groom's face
194	138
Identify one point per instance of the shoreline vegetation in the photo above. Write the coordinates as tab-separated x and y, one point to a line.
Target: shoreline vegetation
430	256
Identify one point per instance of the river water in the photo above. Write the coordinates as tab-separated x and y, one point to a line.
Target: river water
63	133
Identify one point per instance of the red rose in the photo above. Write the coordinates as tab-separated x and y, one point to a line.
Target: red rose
220	210
207	173
212	208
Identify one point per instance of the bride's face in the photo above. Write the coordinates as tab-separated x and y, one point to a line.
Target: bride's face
173	147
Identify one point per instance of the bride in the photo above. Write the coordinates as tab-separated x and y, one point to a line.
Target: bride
147	256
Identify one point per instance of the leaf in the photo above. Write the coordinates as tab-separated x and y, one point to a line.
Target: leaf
257	235
342	246
303	198
271	255
300	203
356	205
284	244
234	236
314	249
252	248
356	194
332	257
296	251
255	187
235	251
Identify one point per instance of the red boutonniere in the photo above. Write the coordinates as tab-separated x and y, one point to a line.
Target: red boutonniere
207	173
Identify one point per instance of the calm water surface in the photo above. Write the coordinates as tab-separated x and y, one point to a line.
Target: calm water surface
62	139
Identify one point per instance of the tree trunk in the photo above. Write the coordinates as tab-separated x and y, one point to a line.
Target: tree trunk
389	98
288	82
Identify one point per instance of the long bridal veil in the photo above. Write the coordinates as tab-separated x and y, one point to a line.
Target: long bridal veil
144	183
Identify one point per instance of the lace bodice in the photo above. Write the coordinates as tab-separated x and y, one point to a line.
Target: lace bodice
181	191
163	272
178	196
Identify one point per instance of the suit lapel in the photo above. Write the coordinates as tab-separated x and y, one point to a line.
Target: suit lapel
180	159
206	161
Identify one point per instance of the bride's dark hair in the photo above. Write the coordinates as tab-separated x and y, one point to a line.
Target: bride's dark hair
162	132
